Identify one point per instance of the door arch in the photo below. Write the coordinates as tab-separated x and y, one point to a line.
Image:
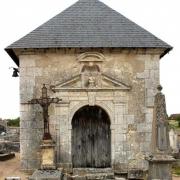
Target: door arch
91	138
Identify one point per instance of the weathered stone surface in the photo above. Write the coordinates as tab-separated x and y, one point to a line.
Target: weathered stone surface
160	166
129	110
46	175
48	155
8	146
136	174
94	175
3	127
13	131
173	140
160	162
161	132
77	171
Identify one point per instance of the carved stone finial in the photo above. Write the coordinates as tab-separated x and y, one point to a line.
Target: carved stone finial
159	88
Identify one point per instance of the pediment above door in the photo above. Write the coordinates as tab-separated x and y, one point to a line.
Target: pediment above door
100	82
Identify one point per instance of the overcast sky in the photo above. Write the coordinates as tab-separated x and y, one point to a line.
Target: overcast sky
19	17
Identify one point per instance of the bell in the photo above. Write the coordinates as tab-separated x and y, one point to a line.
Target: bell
15	72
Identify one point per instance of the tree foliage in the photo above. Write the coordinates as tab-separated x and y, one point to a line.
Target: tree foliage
178	119
13	122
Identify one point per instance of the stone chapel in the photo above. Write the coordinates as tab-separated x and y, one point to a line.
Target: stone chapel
105	68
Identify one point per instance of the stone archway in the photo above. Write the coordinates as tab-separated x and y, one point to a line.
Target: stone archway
91	138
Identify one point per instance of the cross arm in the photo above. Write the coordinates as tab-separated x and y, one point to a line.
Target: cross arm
34	101
54	100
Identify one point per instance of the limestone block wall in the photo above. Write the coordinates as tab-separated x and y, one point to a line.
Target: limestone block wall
130	111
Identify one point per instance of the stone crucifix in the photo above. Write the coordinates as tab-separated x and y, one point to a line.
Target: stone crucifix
44	102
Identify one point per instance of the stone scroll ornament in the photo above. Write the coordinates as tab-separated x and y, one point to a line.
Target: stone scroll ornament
44	102
162	136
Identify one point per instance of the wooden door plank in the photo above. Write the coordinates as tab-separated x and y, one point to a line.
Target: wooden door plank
91	138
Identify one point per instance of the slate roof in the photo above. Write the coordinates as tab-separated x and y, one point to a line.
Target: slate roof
88	23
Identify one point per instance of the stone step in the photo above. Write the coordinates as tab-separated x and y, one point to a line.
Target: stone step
120	178
46	175
94	176
79	171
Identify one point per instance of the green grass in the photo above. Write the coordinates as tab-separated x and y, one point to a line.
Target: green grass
174	124
176	170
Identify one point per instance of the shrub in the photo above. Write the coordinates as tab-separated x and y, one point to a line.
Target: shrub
13	122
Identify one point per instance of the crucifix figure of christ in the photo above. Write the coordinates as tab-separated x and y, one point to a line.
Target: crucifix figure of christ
44	102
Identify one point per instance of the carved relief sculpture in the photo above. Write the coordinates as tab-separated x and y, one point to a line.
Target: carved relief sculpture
91	76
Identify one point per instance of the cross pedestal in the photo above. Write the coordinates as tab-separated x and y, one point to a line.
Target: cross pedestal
160	165
48	155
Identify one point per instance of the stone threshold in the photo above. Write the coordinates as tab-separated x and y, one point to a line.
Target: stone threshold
77	171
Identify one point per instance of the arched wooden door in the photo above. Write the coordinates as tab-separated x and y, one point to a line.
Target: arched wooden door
91	138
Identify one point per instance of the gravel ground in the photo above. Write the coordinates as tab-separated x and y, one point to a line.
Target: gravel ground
176	178
12	168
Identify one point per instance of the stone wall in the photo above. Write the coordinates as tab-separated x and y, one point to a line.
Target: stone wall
3	126
124	87
10	140
12	134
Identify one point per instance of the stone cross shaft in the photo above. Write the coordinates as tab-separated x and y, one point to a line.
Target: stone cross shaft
44	102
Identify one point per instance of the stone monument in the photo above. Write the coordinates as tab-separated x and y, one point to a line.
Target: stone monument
160	162
173	139
48	166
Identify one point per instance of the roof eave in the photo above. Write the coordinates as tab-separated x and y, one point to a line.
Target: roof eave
167	50
13	55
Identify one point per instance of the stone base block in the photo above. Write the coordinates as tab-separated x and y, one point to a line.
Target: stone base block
67	167
92	173
160	167
27	171
48	155
77	171
136	174
46	175
96	176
